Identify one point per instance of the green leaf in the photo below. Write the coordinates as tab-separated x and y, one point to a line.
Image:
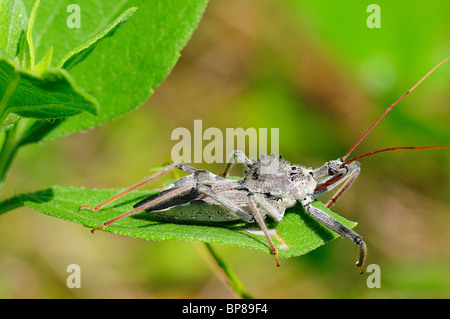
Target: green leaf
83	50
298	232
123	70
52	94
13	24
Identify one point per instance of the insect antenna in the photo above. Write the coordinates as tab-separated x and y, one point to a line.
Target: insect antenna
385	112
393	149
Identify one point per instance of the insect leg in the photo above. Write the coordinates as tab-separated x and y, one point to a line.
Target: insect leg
336	226
239	155
263	226
184	167
270	209
246	216
348	179
352	175
166	197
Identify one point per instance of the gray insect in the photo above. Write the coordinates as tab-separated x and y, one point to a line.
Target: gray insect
269	187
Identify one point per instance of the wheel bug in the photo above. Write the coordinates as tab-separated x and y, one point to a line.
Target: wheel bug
269	187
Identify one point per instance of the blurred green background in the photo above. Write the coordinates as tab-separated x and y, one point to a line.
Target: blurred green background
314	70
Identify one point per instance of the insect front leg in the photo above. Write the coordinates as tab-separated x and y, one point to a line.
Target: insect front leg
236	155
352	175
183	167
336	226
330	180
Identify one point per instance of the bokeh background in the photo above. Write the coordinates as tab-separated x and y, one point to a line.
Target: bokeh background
314	70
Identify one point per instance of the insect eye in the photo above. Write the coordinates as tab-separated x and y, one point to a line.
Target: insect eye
331	171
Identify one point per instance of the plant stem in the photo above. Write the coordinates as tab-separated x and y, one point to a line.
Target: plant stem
6	96
11	144
12	137
232	280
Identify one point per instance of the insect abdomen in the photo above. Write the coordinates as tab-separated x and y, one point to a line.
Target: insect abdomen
196	211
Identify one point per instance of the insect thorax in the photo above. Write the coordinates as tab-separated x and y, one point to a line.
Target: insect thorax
274	176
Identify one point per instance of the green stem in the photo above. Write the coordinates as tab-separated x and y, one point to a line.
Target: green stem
11	144
7	95
233	281
12	134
